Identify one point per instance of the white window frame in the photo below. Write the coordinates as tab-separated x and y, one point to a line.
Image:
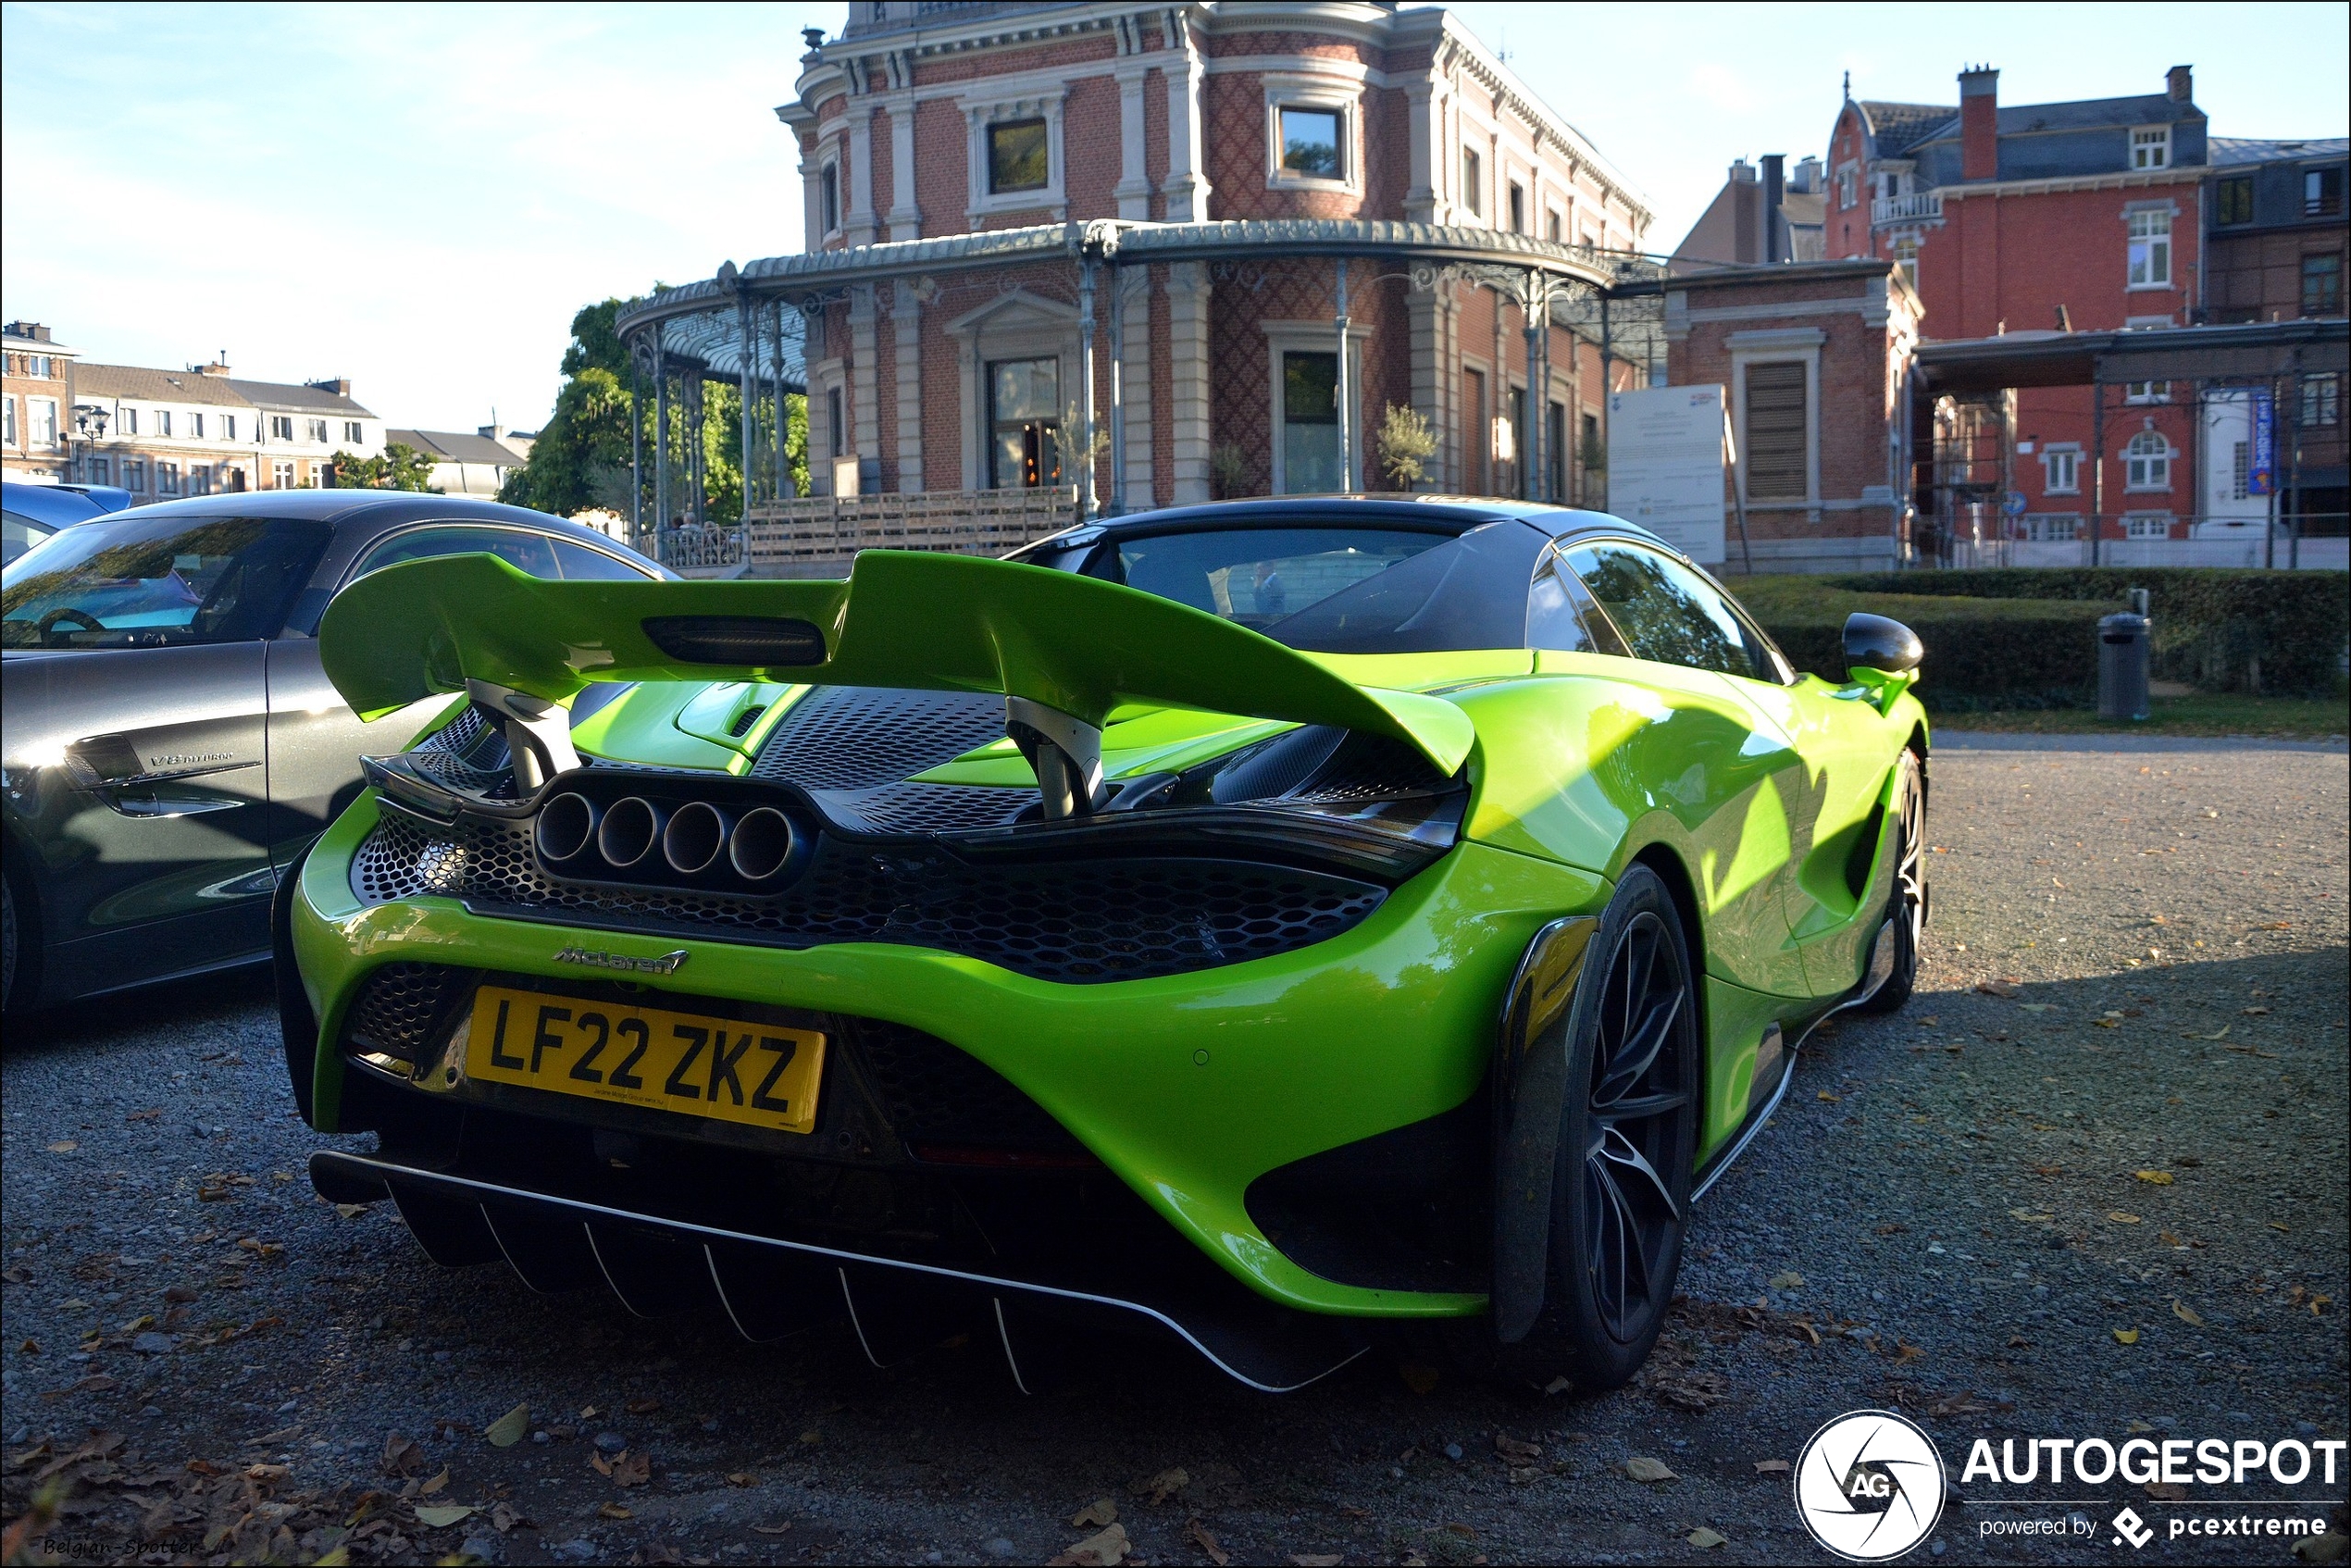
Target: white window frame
1908	263
979	114
2150	147
163	423
2147	525
829	162
1312	337
2043	527
2146	392
1849	180
354	431
195	425
126	421
1020	325
2061	468
2148	255
134	476
2144	469
282	476
1473	182
8	412
167	478
1320	95
316	431
228	426
44	410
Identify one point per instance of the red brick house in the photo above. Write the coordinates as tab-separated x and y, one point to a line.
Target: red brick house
2038	218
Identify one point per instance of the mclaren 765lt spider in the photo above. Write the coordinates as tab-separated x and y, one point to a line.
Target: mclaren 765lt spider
1268	922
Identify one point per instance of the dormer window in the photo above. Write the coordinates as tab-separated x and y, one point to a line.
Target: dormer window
2151	147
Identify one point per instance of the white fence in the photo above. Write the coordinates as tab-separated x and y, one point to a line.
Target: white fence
819	535
2318	555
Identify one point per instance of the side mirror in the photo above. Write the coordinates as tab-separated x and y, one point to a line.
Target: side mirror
1874	642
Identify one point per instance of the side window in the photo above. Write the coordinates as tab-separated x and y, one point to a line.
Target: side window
1563	617
1670	615
529	553
579	561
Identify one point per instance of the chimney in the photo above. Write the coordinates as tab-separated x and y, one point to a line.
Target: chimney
1808	177
32	330
341	386
1774	192
1741	172
2180	83
1978	123
493	431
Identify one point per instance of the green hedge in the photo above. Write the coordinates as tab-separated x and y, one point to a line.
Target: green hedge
1984	652
2281	633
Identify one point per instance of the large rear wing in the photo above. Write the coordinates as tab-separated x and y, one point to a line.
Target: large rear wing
1055	644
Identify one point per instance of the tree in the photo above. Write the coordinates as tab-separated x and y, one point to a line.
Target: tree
402	467
1406	443
582	456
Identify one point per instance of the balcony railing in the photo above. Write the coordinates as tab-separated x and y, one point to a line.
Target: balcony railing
818	535
1906	209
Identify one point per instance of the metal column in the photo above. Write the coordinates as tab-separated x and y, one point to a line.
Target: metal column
1117	501
636	452
661	435
783	418
1537	388
1341	390
749	387
1085	387
2098	460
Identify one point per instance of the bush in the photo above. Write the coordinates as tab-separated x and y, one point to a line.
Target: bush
1983	652
2281	633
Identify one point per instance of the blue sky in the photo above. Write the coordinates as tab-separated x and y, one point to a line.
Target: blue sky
419	197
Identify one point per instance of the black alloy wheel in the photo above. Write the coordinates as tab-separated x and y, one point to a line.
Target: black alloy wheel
1621	1181
1907	904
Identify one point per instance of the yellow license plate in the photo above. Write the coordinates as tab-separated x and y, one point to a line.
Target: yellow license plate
759	1074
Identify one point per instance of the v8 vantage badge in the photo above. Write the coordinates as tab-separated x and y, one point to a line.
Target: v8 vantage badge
1870	1485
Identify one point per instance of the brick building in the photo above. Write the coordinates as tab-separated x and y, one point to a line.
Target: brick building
36	396
2097	215
941	125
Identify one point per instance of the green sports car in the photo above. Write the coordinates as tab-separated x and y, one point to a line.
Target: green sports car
1260	922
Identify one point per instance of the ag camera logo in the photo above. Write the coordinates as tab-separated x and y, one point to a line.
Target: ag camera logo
1870	1485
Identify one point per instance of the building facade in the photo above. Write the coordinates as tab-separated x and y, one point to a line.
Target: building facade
464	463
2103	215
36	397
924	121
164	434
1763	216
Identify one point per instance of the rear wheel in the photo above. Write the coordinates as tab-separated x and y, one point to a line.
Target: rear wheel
1621	1183
1905	907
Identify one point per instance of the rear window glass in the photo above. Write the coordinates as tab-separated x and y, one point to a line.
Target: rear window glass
156	581
526	551
1261	576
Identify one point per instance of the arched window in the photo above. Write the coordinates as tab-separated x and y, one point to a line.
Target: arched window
2146	462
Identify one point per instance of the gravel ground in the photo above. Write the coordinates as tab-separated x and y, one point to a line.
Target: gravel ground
1951	1216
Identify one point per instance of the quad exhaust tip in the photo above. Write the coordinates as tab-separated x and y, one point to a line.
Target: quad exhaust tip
698	840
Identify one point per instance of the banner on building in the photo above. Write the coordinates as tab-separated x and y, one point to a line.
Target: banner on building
1665	466
2261	476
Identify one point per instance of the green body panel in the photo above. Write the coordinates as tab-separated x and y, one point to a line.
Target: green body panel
1388	1023
906	619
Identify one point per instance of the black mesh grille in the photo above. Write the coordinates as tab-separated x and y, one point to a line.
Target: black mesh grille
857	737
908	807
934	1093
399	1007
1079	921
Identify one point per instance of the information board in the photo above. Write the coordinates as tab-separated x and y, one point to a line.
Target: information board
1665	466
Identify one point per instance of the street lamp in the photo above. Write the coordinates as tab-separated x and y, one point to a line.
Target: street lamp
89	424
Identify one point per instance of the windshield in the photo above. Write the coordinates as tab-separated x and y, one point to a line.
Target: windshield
1347	590
158	581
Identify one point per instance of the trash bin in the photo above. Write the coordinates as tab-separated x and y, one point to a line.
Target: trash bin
2124	644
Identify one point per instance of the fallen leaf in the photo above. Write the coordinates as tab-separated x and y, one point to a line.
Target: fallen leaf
1706	1539
64	1146
402	1457
2119	1218
1094	1515
1104	1550
1832	1099
509	1428
1418	1379
1516	1451
643	1407
783	1529
440	1516
1770	1467
1999	988
2280	1225
2186	1313
599	1464
2126	1336
2154	1178
1164	1484
351	1210
742	1478
436	1483
2332	1547
613	1510
632	1468
2029	1216
1649	1471
2254	1012
1787	1279
1208	1544
1558	1386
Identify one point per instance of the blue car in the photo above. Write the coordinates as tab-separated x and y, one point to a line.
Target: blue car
33	512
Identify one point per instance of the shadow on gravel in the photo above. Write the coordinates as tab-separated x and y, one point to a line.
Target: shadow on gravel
97	1022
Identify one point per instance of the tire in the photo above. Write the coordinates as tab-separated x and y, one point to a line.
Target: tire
7	946
1620	1185
1907	904
296	1023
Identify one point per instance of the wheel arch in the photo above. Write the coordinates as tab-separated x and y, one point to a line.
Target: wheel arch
16	864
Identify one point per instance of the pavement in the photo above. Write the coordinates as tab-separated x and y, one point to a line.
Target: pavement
2088	1185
